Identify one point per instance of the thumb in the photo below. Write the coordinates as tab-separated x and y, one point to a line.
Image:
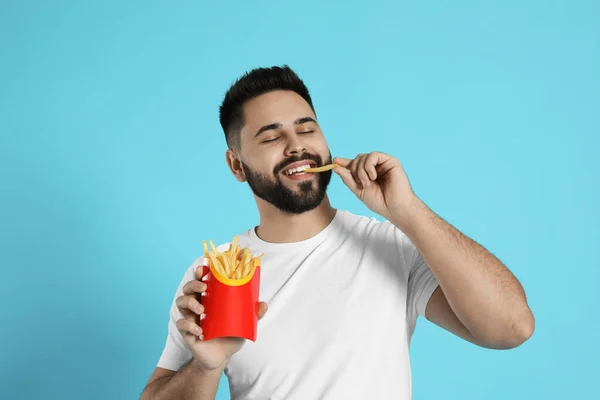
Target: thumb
344	162
348	179
262	309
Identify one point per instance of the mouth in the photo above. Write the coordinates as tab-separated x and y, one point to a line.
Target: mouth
297	169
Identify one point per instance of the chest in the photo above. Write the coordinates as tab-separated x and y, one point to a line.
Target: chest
322	304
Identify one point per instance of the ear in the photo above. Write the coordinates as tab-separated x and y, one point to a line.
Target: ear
235	165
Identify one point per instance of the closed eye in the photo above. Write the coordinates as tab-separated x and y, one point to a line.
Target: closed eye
270	140
305	132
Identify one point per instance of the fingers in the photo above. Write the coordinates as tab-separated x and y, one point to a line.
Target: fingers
371	163
187	328
354	166
359	170
194	287
348	171
348	179
262	309
191	331
342	162
201	272
187	304
363	168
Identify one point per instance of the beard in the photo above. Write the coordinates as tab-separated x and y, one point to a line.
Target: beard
308	196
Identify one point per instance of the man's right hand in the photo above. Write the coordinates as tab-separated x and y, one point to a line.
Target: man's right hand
212	354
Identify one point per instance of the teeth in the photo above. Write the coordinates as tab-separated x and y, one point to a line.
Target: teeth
295	170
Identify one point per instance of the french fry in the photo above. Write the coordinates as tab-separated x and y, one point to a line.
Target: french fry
217	260
248	264
234	250
233	263
237	272
244	267
214	249
321	169
225	261
205	248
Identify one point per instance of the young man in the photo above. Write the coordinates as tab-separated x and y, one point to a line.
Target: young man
343	291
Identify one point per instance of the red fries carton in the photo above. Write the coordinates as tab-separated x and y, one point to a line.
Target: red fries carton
232	295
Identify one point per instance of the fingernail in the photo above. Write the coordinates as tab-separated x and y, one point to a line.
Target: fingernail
202	316
198	332
199	309
201	337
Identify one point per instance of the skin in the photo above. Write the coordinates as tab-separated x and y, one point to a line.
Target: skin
479	299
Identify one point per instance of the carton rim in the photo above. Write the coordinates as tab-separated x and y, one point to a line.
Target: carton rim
227	281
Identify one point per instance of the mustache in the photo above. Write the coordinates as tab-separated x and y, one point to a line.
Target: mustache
305	156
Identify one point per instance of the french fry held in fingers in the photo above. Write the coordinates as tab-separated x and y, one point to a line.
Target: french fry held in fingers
322	169
232	289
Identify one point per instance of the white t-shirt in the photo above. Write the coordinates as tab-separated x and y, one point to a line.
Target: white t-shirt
342	309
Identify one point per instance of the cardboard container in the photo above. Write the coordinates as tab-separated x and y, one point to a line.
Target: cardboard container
230	305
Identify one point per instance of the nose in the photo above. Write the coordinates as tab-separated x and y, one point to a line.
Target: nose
294	146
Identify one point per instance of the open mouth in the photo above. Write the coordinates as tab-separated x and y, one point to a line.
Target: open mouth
299	170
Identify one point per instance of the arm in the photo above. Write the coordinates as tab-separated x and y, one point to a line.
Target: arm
479	299
190	382
198	378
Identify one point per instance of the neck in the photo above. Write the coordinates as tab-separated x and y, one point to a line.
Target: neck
278	227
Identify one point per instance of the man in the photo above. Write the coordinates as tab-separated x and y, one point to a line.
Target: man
343	291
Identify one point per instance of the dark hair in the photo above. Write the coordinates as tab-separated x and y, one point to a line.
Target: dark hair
253	84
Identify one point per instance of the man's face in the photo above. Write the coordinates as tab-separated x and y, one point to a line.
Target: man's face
281	134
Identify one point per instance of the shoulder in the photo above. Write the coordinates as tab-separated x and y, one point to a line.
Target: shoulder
370	227
378	235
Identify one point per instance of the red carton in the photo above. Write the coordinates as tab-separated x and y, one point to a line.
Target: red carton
230	305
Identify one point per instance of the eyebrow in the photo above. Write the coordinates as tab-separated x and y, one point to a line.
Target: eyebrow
270	127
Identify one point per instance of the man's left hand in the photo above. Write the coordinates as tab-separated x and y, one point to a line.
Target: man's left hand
379	181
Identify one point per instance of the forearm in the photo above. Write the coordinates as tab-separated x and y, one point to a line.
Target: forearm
189	383
483	294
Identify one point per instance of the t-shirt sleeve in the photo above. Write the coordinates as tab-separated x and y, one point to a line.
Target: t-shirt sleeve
421	283
175	354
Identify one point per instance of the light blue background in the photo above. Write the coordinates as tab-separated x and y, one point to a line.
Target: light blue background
113	171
